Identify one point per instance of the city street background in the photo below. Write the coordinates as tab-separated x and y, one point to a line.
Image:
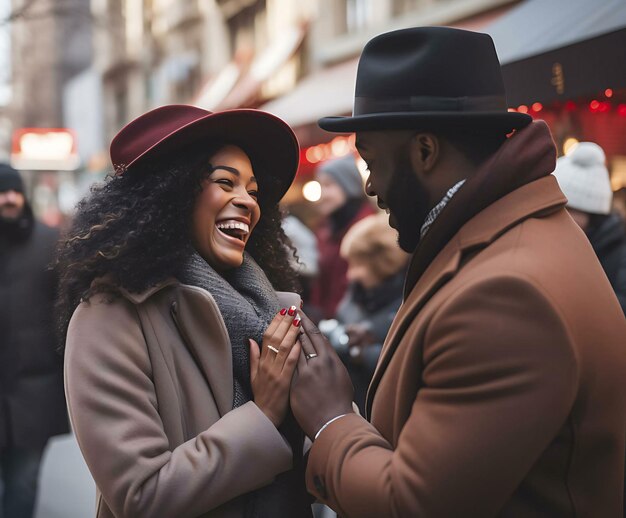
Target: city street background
66	487
73	72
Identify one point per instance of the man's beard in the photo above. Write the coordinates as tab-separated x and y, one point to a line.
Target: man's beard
19	228
10	213
407	199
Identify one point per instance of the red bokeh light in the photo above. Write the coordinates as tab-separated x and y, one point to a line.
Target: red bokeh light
522	108
537	107
608	92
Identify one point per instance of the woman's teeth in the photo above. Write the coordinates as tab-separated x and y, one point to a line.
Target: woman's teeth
232	225
233	228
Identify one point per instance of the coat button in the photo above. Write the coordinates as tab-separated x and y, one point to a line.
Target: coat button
320	487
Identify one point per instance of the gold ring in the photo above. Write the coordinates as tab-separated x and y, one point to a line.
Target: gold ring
272	348
310	356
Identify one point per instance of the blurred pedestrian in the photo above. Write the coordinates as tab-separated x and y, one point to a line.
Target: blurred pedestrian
32	404
170	267
584	179
619	202
341	205
500	387
376	269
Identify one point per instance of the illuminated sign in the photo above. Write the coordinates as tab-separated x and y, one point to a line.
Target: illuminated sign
44	149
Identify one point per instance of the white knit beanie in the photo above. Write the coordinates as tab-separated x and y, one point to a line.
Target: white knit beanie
584	179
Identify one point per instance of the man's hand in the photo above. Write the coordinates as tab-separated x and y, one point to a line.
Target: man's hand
321	388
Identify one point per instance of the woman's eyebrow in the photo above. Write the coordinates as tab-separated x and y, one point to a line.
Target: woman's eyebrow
230	170
225	168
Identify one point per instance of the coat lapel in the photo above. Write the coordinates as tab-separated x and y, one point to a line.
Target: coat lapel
539	197
199	322
441	270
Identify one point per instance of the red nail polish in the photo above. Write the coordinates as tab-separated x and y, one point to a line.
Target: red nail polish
292	310
283	311
296	322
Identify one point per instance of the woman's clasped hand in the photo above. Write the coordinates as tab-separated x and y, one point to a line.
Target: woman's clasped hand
272	364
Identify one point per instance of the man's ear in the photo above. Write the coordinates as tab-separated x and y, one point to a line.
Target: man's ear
424	152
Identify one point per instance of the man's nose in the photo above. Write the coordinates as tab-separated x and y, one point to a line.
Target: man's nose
8	196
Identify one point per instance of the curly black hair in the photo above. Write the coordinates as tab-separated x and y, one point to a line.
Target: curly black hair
134	230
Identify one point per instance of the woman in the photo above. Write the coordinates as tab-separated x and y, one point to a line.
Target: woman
341	205
376	270
176	411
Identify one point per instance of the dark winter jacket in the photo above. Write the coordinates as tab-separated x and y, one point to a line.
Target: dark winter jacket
376	308
608	238
32	403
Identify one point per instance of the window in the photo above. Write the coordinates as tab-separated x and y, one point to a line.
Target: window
403	6
359	14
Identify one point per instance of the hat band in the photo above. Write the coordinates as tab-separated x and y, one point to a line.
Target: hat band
426	103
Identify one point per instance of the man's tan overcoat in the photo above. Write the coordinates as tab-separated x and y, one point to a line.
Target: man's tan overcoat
501	387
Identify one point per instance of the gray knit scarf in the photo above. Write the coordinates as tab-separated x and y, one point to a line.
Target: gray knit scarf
248	303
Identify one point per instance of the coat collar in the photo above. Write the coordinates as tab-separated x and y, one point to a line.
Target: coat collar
139	298
202	331
541	196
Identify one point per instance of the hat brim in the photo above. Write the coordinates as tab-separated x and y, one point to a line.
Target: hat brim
268	141
498	121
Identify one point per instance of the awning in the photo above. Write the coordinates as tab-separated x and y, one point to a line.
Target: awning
330	91
239	83
561	49
327	92
218	87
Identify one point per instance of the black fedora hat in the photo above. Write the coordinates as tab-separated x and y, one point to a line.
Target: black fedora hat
429	78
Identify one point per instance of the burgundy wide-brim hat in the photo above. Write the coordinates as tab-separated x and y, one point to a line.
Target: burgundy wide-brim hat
267	140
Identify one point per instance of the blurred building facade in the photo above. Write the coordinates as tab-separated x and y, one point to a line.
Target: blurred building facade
212	53
296	59
50	43
218	53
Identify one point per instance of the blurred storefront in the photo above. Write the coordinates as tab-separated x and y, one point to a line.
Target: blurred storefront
563	62
48	160
47	45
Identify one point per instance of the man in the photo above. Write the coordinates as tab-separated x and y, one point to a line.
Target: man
32	404
584	179
500	389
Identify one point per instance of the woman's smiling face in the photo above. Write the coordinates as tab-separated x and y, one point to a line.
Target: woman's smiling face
227	209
